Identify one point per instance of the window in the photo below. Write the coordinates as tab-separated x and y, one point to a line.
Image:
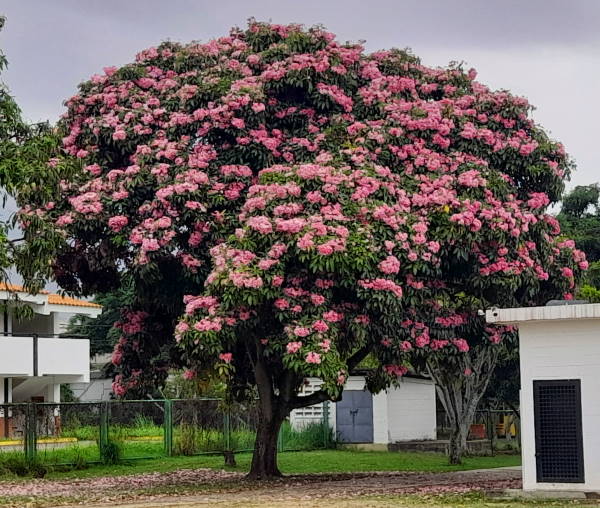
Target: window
313	412
558	431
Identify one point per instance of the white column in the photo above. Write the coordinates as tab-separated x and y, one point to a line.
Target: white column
56	322
9	321
380	418
9	398
52	393
4	415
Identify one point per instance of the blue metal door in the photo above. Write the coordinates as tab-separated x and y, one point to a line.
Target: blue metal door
354	417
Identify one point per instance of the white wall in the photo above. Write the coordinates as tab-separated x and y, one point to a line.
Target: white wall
95	390
16	356
411	410
562	349
64	356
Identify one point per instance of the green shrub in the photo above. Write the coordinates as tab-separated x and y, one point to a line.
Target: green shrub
110	453
17	464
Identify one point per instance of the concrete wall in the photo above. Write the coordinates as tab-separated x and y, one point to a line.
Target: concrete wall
51	324
411	410
56	357
95	390
64	357
16	356
562	349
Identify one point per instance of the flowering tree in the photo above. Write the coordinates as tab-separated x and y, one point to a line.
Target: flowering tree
314	204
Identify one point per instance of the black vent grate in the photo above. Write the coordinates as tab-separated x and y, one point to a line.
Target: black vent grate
558	435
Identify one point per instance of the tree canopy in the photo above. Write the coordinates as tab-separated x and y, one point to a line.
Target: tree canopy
101	330
287	204
580	219
24	150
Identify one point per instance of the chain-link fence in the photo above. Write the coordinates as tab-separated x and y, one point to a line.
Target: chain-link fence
89	432
492	430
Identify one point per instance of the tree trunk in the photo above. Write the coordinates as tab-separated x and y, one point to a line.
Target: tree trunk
458	442
272	412
460	395
264	459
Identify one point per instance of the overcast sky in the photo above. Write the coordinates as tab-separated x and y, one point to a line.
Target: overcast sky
545	50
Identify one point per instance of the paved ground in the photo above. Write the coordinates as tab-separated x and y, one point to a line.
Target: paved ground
303	491
41	446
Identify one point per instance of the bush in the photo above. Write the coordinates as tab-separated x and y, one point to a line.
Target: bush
110	453
17	464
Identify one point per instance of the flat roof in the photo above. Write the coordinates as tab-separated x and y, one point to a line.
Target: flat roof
547	313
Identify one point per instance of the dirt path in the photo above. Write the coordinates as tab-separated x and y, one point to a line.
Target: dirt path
311	490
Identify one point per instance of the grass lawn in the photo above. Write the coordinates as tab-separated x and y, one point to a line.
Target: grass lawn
325	461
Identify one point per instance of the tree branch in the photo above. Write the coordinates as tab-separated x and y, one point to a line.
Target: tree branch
321	396
309	400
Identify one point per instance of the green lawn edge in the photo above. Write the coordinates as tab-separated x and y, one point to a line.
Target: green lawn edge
309	462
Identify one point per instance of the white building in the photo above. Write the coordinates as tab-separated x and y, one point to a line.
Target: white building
560	394
403	413
34	359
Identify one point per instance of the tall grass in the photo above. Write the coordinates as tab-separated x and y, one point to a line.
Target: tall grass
313	436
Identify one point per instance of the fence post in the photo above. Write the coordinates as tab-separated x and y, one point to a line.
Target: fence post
280	439
227	429
103	426
491	431
227	447
326	433
168	430
30	432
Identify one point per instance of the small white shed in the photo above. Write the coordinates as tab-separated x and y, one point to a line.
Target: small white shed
560	394
403	413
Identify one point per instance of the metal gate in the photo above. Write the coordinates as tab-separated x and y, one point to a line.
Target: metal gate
558	433
354	417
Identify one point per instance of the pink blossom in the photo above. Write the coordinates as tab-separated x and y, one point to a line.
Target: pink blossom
567	272
301	331
150	244
320	326
189	374
293	347
461	344
538	200
117	222
390	265
382	285
313	357
281	303
325	345
119	135
317	299
395	370
226	357
333	316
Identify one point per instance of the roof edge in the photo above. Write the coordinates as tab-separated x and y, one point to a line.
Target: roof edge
548	313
